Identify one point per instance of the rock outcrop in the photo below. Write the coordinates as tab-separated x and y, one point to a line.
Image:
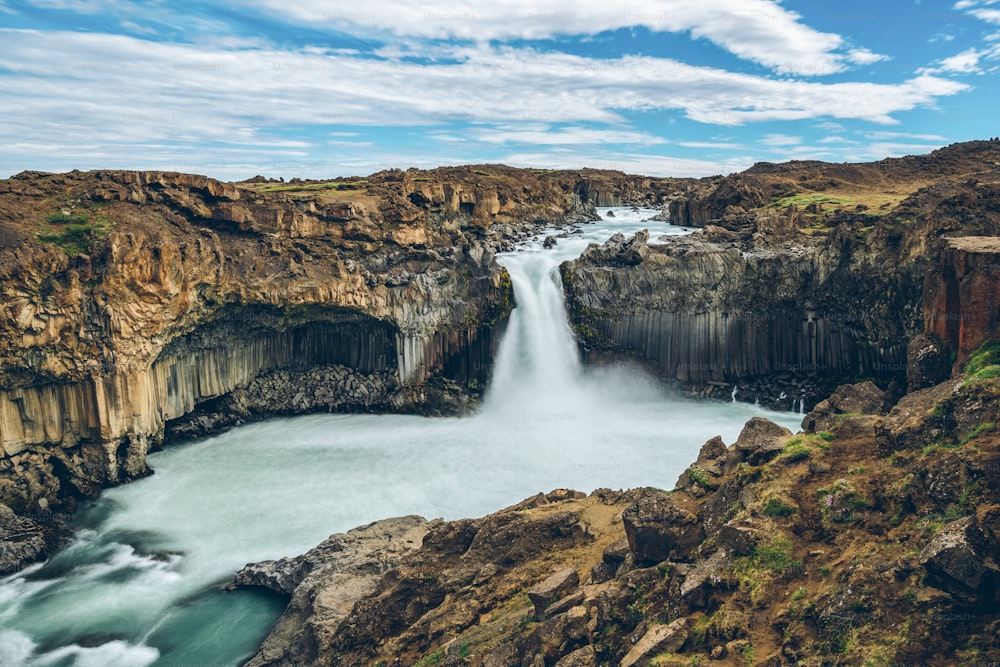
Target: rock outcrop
786	292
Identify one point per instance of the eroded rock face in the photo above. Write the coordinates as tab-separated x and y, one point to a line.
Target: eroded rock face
768	321
23	541
957	560
331	579
657	528
188	305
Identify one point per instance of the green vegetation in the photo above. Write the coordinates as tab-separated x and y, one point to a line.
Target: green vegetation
776	507
309	187
432	658
978	431
700	477
984	364
775	556
804	445
73	233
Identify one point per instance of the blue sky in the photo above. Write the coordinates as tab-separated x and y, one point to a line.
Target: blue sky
323	88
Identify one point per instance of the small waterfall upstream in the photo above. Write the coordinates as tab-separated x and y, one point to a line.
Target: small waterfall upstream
142	583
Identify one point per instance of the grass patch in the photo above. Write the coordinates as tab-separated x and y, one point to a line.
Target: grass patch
776	556
73	233
432	658
985	427
983	364
776	507
804	445
312	187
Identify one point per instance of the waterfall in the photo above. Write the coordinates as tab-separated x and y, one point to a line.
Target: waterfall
733	395
143	577
537	365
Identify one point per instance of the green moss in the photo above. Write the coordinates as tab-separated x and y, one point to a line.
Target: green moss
310	187
432	658
776	507
978	431
775	556
700	477
74	234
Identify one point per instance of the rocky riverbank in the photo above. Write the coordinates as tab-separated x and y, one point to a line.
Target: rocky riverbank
872	537
801	276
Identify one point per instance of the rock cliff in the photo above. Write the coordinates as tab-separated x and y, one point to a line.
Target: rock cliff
140	304
804	275
871	538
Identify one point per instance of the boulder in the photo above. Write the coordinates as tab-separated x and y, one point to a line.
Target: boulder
862	398
656	528
556	586
699	579
280	576
582	657
928	362
712	449
549	242
615	553
760	440
22	541
658	639
914	422
956	559
737	540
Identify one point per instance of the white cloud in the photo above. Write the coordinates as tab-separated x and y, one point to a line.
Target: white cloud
881	135
988	15
776	140
865	57
761	31
564	136
111	100
719	145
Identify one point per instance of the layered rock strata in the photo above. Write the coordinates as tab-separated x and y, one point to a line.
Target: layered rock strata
783	300
136	304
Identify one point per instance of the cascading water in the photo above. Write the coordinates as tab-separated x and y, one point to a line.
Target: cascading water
142	581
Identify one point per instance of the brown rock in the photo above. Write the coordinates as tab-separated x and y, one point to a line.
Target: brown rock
582	657
956	559
912	423
712	449
927	362
555	586
658	639
861	398
738	540
656	528
761	440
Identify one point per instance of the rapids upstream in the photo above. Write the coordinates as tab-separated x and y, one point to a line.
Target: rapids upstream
142	582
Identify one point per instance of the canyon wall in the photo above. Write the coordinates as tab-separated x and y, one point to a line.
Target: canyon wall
803	275
778	320
140	304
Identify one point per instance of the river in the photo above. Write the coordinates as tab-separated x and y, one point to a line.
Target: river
142	583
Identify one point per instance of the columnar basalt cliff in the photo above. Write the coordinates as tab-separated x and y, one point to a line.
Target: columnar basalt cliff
136	304
803	275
